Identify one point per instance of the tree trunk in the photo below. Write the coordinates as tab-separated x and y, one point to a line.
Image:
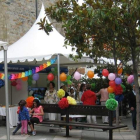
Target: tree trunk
116	72
135	72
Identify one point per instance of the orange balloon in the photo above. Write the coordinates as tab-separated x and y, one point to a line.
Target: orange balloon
110	89
120	71
90	74
25	78
63	77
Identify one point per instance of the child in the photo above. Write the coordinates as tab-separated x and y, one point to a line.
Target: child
24	117
19	124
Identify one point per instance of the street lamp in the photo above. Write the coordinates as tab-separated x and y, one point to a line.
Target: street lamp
4	47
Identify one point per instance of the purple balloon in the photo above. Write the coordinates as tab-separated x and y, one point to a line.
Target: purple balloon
118	81
77	75
36	76
111	76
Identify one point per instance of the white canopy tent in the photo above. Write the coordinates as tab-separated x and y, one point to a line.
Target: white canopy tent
36	46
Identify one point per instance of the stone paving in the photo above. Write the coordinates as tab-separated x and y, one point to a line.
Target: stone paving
86	134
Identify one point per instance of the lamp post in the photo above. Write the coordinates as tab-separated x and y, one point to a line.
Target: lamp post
36	6
4	47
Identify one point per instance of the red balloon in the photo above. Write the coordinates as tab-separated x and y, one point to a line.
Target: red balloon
50	77
105	72
112	83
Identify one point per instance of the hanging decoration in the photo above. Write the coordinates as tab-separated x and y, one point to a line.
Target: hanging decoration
36	76
111	104
90	74
63	103
71	100
77	75
13	83
111	96
110	89
50	77
29	72
63	77
60	93
130	79
25	78
105	72
29	101
118	81
111	76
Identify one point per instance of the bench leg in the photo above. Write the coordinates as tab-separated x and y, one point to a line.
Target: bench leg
110	135
67	131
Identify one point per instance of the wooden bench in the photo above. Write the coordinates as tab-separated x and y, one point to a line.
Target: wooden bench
82	110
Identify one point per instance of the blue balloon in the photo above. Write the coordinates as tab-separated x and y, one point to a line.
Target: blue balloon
119	98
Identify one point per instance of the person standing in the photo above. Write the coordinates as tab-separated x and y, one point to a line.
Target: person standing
132	106
89	98
104	97
81	91
24	117
51	98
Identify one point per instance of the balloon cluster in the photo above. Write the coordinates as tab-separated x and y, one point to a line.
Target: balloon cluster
65	102
1	83
115	88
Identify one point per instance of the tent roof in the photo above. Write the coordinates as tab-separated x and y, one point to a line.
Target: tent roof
36	45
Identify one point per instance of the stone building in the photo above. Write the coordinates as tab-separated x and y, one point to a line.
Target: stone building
17	17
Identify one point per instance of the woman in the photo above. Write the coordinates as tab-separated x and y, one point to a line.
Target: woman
89	98
36	113
81	91
51	98
104	97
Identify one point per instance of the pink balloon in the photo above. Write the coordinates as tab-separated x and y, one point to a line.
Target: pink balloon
18	87
130	79
18	81
77	75
111	76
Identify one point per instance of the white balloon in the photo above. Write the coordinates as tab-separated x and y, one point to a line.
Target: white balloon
33	82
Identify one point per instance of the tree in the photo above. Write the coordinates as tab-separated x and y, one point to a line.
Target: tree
101	28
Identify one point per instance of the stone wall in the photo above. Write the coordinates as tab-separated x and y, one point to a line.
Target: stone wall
17	17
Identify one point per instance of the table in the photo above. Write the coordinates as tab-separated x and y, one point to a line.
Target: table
13	116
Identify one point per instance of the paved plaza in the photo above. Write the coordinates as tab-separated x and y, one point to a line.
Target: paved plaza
76	134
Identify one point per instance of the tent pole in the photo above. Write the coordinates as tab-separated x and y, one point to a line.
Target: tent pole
6	94
58	71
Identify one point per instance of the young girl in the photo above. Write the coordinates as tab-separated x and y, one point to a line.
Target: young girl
23	117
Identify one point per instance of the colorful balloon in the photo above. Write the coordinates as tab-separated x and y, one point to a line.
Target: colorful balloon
130	79
112	83
110	89
118	81
50	77
36	76
111	76
77	75
90	74
105	72
63	77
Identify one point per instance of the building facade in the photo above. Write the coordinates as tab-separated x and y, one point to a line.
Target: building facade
17	17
